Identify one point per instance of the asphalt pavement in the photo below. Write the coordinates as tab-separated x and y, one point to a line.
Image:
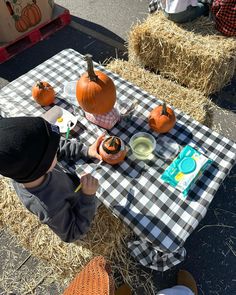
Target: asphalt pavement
100	28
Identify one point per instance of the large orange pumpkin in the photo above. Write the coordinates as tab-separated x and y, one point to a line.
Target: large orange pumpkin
112	150
162	119
43	93
95	91
33	13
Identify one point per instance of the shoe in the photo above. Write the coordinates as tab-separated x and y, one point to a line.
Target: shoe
123	290
185	278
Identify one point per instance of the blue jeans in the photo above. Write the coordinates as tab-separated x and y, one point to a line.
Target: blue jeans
189	14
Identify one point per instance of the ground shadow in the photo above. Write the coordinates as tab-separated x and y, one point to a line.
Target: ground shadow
226	97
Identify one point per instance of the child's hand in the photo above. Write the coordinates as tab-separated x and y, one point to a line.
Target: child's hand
93	149
89	184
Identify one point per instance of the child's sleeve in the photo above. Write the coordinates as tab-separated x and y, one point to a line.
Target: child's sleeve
73	221
71	150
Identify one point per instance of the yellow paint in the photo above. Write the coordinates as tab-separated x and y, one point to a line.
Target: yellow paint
179	176
59	120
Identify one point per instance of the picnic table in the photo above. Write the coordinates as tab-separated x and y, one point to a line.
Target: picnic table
159	215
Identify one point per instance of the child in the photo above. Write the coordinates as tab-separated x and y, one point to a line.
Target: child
180	11
224	14
28	155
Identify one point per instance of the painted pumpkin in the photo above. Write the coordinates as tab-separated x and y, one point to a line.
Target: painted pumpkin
22	23
33	13
162	119
95	91
112	150
43	93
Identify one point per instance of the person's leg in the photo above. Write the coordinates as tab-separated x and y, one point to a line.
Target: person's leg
189	14
176	290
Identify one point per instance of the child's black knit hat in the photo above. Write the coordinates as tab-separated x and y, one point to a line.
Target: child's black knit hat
28	146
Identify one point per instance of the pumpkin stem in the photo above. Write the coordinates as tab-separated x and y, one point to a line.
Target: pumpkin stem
91	74
112	145
113	141
164	109
40	85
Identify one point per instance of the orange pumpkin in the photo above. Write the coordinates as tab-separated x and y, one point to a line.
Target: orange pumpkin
95	91
33	13
112	150
162	119
43	93
22	23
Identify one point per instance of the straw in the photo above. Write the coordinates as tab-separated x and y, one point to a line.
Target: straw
194	54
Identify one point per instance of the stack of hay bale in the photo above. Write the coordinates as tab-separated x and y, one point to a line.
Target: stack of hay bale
193	55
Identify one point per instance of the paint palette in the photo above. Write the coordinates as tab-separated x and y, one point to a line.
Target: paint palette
60	117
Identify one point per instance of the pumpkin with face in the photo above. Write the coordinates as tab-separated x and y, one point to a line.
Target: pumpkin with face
112	150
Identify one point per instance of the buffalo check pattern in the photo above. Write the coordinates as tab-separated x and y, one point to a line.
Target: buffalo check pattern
158	214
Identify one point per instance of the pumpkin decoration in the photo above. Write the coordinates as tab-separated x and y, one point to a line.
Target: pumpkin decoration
22	23
95	91
112	150
43	93
162	119
33	13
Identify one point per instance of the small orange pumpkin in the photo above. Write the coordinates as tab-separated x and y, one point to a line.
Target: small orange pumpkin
112	150
162	119
95	91
43	93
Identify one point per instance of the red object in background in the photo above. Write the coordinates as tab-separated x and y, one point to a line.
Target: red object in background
41	32
224	12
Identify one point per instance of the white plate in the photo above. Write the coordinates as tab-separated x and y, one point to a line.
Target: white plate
57	112
68	120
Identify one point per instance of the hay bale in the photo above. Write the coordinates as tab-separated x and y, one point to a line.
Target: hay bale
108	237
191	102
194	54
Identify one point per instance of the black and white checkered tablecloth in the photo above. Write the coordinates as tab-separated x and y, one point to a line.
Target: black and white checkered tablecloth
157	213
